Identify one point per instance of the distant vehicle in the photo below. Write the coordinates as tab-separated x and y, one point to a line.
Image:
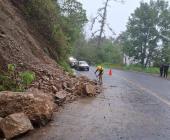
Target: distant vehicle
73	62
82	65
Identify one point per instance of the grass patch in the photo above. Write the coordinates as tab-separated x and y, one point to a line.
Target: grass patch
108	65
137	68
151	70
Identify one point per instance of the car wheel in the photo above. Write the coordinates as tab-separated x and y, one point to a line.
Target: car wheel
87	69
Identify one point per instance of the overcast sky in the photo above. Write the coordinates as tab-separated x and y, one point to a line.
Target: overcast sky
118	13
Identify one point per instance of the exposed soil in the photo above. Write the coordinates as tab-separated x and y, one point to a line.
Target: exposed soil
20	44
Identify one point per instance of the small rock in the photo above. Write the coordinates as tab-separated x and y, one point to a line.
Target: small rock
15	125
54	89
70	90
2	35
46	78
65	85
60	97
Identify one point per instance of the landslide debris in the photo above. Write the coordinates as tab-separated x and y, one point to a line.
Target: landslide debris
20	44
38	106
15	124
23	46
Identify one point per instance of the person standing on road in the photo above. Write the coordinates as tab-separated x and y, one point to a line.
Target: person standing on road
166	67
100	71
161	70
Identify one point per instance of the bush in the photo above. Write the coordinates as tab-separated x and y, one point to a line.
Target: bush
27	77
11	67
14	81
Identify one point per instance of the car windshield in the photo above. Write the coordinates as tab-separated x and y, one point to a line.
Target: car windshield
82	62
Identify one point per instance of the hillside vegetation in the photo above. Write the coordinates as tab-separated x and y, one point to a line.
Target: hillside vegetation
60	23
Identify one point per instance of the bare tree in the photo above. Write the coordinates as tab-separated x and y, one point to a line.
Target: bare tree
101	19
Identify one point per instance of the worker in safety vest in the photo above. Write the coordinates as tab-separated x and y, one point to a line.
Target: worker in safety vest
100	71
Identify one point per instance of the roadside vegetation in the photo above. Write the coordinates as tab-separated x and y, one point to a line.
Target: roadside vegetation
145	43
132	67
15	81
152	70
147	38
109	51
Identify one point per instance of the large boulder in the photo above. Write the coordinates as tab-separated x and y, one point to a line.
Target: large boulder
37	106
1	133
15	124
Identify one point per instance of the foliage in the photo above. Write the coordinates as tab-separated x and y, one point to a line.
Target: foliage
139	68
109	65
14	81
60	22
74	18
148	33
11	68
27	77
109	52
66	67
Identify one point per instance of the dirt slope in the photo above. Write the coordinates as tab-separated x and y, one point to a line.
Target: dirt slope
16	43
20	45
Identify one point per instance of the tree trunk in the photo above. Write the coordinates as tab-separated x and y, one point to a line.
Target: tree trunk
143	59
102	23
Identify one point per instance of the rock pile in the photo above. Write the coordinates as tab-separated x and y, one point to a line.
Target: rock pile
55	81
22	111
36	106
39	107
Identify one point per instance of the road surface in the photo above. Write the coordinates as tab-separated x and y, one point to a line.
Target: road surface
133	106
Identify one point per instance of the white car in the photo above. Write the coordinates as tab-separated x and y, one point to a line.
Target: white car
82	65
73	62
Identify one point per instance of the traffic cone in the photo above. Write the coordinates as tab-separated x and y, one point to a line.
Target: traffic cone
110	72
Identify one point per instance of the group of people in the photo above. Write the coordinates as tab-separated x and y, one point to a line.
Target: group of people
164	70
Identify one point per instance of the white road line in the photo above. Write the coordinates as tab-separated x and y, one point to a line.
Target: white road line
147	90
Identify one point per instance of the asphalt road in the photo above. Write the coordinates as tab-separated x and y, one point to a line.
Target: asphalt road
133	106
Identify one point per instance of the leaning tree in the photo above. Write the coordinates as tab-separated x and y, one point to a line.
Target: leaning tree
101	18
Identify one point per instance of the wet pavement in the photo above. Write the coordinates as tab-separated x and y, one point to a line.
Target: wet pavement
133	106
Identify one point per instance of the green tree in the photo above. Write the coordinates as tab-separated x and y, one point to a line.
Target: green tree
110	52
74	18
59	21
147	27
